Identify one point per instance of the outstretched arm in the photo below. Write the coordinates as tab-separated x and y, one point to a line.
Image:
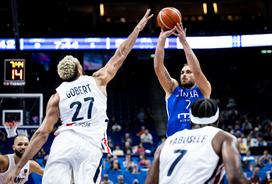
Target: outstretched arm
153	173
231	158
105	74
40	136
167	83
193	63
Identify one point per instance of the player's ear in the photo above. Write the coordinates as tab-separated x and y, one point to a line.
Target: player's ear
80	69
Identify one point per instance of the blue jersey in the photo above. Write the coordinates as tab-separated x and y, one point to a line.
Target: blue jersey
178	106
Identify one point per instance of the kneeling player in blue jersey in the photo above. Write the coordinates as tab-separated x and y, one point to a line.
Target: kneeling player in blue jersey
193	83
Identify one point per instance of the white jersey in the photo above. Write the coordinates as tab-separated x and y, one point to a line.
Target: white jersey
188	157
23	175
83	108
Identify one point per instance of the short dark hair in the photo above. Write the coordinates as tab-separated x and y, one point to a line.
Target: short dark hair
204	108
19	136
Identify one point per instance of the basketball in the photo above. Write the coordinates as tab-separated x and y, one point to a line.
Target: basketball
168	17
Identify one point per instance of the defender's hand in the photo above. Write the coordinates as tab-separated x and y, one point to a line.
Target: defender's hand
144	20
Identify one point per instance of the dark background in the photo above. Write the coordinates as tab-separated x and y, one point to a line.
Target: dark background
68	18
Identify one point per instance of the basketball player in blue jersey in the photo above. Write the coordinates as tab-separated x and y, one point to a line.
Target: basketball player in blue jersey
81	104
193	83
200	155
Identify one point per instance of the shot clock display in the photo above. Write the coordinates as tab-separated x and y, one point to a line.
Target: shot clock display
14	72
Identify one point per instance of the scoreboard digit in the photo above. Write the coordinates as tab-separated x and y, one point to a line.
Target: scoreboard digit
14	72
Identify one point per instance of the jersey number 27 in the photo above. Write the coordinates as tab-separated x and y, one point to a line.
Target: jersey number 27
78	105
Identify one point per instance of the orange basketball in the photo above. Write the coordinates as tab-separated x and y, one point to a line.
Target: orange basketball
168	17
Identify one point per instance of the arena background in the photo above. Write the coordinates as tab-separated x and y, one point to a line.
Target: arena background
240	76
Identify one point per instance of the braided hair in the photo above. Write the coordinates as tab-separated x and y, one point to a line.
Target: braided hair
67	68
204	111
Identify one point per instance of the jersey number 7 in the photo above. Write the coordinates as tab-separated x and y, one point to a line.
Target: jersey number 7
173	165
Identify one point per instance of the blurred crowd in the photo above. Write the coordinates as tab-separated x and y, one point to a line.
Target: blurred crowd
133	146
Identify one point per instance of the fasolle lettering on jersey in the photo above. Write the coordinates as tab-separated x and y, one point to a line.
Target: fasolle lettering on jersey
77	90
189	139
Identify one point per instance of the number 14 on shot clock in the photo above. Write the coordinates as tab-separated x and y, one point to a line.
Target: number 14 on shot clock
14	72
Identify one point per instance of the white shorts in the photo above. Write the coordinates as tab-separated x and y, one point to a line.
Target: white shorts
73	159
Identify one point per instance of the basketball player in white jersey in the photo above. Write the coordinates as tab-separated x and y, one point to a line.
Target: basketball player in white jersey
199	155
81	104
9	161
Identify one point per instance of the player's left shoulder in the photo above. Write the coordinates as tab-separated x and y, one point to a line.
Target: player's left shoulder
100	77
197	89
204	88
228	136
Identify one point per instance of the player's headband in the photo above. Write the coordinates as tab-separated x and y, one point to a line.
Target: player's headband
205	120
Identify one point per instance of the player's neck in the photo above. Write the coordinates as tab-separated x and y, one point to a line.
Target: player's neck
188	86
16	158
194	126
192	87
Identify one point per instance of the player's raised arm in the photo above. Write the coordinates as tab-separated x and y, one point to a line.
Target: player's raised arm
231	157
193	63
40	136
105	74
167	83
